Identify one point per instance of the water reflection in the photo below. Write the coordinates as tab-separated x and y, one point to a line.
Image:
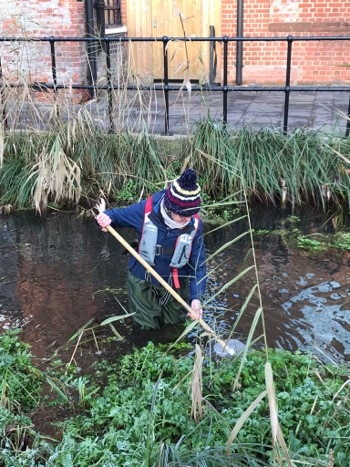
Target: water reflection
325	310
52	270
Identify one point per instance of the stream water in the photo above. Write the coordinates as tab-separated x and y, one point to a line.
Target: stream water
55	273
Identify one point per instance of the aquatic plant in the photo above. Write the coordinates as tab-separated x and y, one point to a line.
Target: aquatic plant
20	390
20	380
143	414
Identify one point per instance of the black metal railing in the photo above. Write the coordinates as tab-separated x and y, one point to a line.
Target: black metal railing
166	86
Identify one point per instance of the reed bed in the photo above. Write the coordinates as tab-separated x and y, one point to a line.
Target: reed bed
301	168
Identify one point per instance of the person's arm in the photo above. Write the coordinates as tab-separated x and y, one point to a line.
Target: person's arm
130	216
198	276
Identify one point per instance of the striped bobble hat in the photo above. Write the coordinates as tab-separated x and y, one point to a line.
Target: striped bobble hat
183	195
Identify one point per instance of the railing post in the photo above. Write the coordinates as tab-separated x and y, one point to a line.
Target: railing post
91	48
109	83
53	64
225	88
287	85
347	131
165	40
239	45
54	72
2	99
212	56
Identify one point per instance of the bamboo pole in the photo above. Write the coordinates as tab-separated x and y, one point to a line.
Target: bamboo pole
148	267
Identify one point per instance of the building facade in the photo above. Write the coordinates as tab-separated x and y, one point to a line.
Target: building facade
249	62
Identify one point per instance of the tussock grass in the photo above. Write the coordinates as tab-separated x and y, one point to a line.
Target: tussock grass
261	163
56	177
273	168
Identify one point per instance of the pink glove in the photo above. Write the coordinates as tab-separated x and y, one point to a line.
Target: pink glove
197	311
103	220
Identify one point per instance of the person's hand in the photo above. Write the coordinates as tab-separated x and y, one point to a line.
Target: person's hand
103	221
197	311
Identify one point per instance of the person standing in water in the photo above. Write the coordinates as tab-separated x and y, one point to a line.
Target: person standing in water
170	234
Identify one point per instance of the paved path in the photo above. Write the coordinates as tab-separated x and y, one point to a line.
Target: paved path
323	111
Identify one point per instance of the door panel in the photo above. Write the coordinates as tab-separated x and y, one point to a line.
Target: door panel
179	18
173	18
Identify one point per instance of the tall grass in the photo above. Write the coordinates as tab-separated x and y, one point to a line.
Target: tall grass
73	162
260	163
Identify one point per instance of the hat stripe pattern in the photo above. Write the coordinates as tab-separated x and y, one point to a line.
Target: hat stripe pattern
183	195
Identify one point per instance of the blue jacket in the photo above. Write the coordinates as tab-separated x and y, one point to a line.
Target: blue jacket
133	216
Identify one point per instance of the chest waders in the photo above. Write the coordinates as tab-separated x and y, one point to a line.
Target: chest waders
149	249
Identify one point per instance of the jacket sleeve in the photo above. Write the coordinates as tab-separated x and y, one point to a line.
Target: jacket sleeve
133	215
130	216
198	266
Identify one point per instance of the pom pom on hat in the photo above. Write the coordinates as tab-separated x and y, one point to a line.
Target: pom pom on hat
183	195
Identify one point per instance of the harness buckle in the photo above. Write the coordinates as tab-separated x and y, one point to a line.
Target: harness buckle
159	250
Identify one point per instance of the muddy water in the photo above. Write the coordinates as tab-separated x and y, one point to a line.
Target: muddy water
55	273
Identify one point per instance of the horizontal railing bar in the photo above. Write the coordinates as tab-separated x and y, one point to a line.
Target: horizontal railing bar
194	87
163	84
178	39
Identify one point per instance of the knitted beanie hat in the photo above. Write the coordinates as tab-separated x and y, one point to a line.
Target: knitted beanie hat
183	195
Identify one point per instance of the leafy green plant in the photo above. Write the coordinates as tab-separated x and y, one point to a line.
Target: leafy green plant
128	192
341	240
151	382
144	411
310	243
20	380
16	432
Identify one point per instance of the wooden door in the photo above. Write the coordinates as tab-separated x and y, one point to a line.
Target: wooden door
173	18
179	18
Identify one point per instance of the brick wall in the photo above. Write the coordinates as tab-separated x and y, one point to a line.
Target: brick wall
123	8
313	62
29	62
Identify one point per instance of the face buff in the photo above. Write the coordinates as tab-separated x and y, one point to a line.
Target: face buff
169	222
